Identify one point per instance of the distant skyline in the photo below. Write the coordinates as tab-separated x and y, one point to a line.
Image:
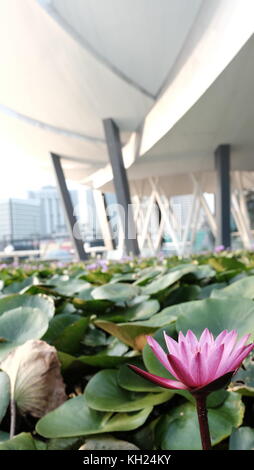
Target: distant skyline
21	173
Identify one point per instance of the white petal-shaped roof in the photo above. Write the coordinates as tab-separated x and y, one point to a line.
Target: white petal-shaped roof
68	64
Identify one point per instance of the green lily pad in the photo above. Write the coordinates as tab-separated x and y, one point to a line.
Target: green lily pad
206	291
96	277
75	418
128	277
21	286
85	293
145	276
132	382
19	325
65	443
23	441
130	332
142	311
216	315
65	307
69	341
40	301
95	337
183	293
107	443
179	430
88	307
163	282
243	381
100	361
242	288
58	324
118	292
137	312
204	272
103	393
67	286
242	439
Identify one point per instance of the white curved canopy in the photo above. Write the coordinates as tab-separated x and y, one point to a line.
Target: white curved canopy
68	64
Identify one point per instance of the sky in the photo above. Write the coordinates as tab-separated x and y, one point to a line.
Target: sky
20	173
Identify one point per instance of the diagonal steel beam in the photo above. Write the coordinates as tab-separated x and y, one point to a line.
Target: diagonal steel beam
68	207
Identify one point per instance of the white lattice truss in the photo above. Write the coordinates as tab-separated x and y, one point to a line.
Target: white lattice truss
182	233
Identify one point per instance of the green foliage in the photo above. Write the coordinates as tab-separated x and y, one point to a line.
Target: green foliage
179	430
242	439
97	318
75	418
103	393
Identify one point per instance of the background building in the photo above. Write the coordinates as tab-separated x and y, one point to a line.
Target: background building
52	219
19	220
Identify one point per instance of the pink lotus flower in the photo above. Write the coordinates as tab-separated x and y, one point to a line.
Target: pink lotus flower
196	364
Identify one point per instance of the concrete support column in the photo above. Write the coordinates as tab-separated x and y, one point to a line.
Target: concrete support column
121	186
222	200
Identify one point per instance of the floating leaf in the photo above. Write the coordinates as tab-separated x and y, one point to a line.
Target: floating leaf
128	332
135	383
19	325
58	324
216	315
242	288
75	418
22	286
107	443
206	291
23	441
68	287
119	292
243	381
179	429
123	278
65	443
103	393
41	301
242	439
125	332
183	293
146	275
167	280
102	361
137	312
92	306
69	341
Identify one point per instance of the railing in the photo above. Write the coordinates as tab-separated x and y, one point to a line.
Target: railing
15	255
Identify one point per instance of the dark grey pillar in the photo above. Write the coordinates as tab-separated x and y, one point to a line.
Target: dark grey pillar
68	207
105	201
222	203
121	185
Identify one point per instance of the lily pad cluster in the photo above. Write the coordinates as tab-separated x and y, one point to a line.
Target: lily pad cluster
83	324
